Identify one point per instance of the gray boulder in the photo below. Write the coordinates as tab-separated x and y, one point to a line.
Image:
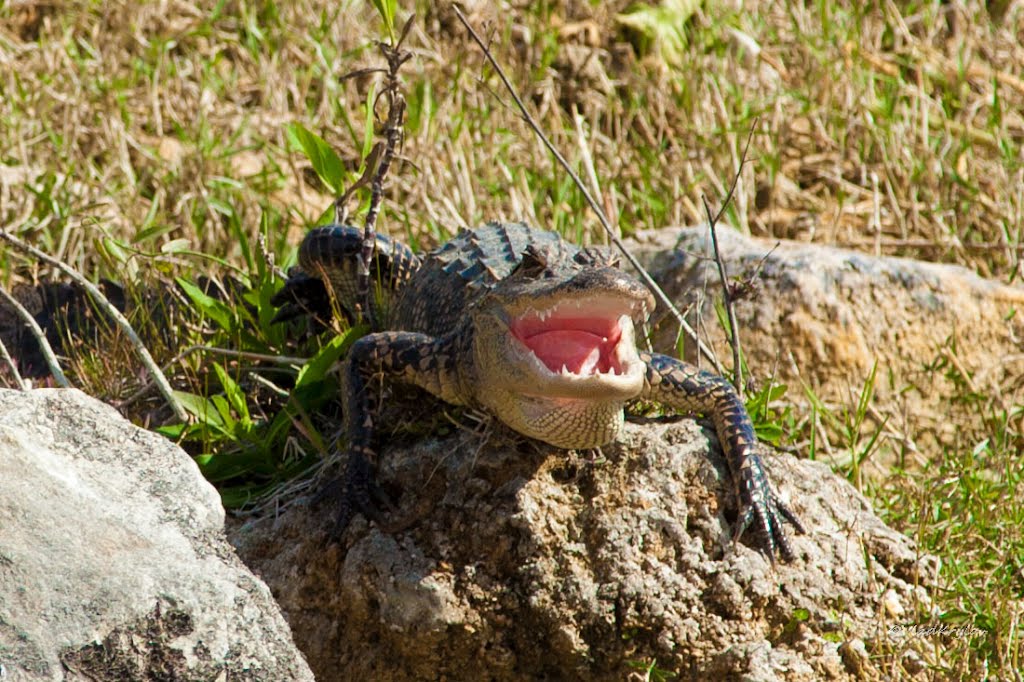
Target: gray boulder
824	316
113	561
511	560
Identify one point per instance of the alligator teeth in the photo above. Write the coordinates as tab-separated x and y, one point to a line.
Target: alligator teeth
565	370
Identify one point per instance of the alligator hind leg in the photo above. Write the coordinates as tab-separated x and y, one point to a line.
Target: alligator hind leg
684	387
405	357
329	266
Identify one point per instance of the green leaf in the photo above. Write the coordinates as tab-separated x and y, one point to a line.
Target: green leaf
114	250
767	422
234	394
798	616
211	307
201	408
317	367
172	431
326	162
175	246
662	26
386	9
368	131
224	410
154	230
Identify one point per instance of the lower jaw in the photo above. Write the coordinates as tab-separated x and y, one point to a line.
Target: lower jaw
594	387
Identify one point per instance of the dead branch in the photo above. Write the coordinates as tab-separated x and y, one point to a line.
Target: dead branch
44	344
727	292
393	131
244	355
701	346
14	368
341	203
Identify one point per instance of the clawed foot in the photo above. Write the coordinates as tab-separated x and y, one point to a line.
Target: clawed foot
301	295
764	513
352	493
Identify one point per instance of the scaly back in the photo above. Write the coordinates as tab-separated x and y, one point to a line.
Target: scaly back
435	299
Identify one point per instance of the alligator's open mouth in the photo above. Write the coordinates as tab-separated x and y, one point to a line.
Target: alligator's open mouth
580	338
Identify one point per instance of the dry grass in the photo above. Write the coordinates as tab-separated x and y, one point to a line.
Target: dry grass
895	128
135	135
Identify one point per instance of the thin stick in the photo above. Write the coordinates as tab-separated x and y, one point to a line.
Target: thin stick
44	344
242	355
734	336
14	368
259	379
730	309
341	203
739	170
119	319
394	132
396	57
245	355
588	160
701	346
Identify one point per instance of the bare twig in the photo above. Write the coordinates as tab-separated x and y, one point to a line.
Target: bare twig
395	57
736	177
119	319
701	346
734	335
44	344
245	355
727	293
268	257
585	155
341	203
14	368
270	385
396	117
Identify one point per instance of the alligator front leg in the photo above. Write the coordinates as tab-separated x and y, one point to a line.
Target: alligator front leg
684	387
418	359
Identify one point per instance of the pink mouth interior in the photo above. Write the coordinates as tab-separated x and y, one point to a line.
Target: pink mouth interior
584	345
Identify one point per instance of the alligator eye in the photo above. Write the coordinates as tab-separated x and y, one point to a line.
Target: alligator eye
597	256
534	262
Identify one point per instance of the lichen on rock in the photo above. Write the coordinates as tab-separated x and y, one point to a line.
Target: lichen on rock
113	560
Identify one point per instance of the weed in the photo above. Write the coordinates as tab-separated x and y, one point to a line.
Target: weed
651	672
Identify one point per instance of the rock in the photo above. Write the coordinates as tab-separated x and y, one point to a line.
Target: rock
825	316
113	561
534	563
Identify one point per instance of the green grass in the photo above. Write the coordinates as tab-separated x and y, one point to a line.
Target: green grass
140	146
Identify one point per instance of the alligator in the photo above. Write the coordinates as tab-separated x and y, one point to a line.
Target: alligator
524	325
